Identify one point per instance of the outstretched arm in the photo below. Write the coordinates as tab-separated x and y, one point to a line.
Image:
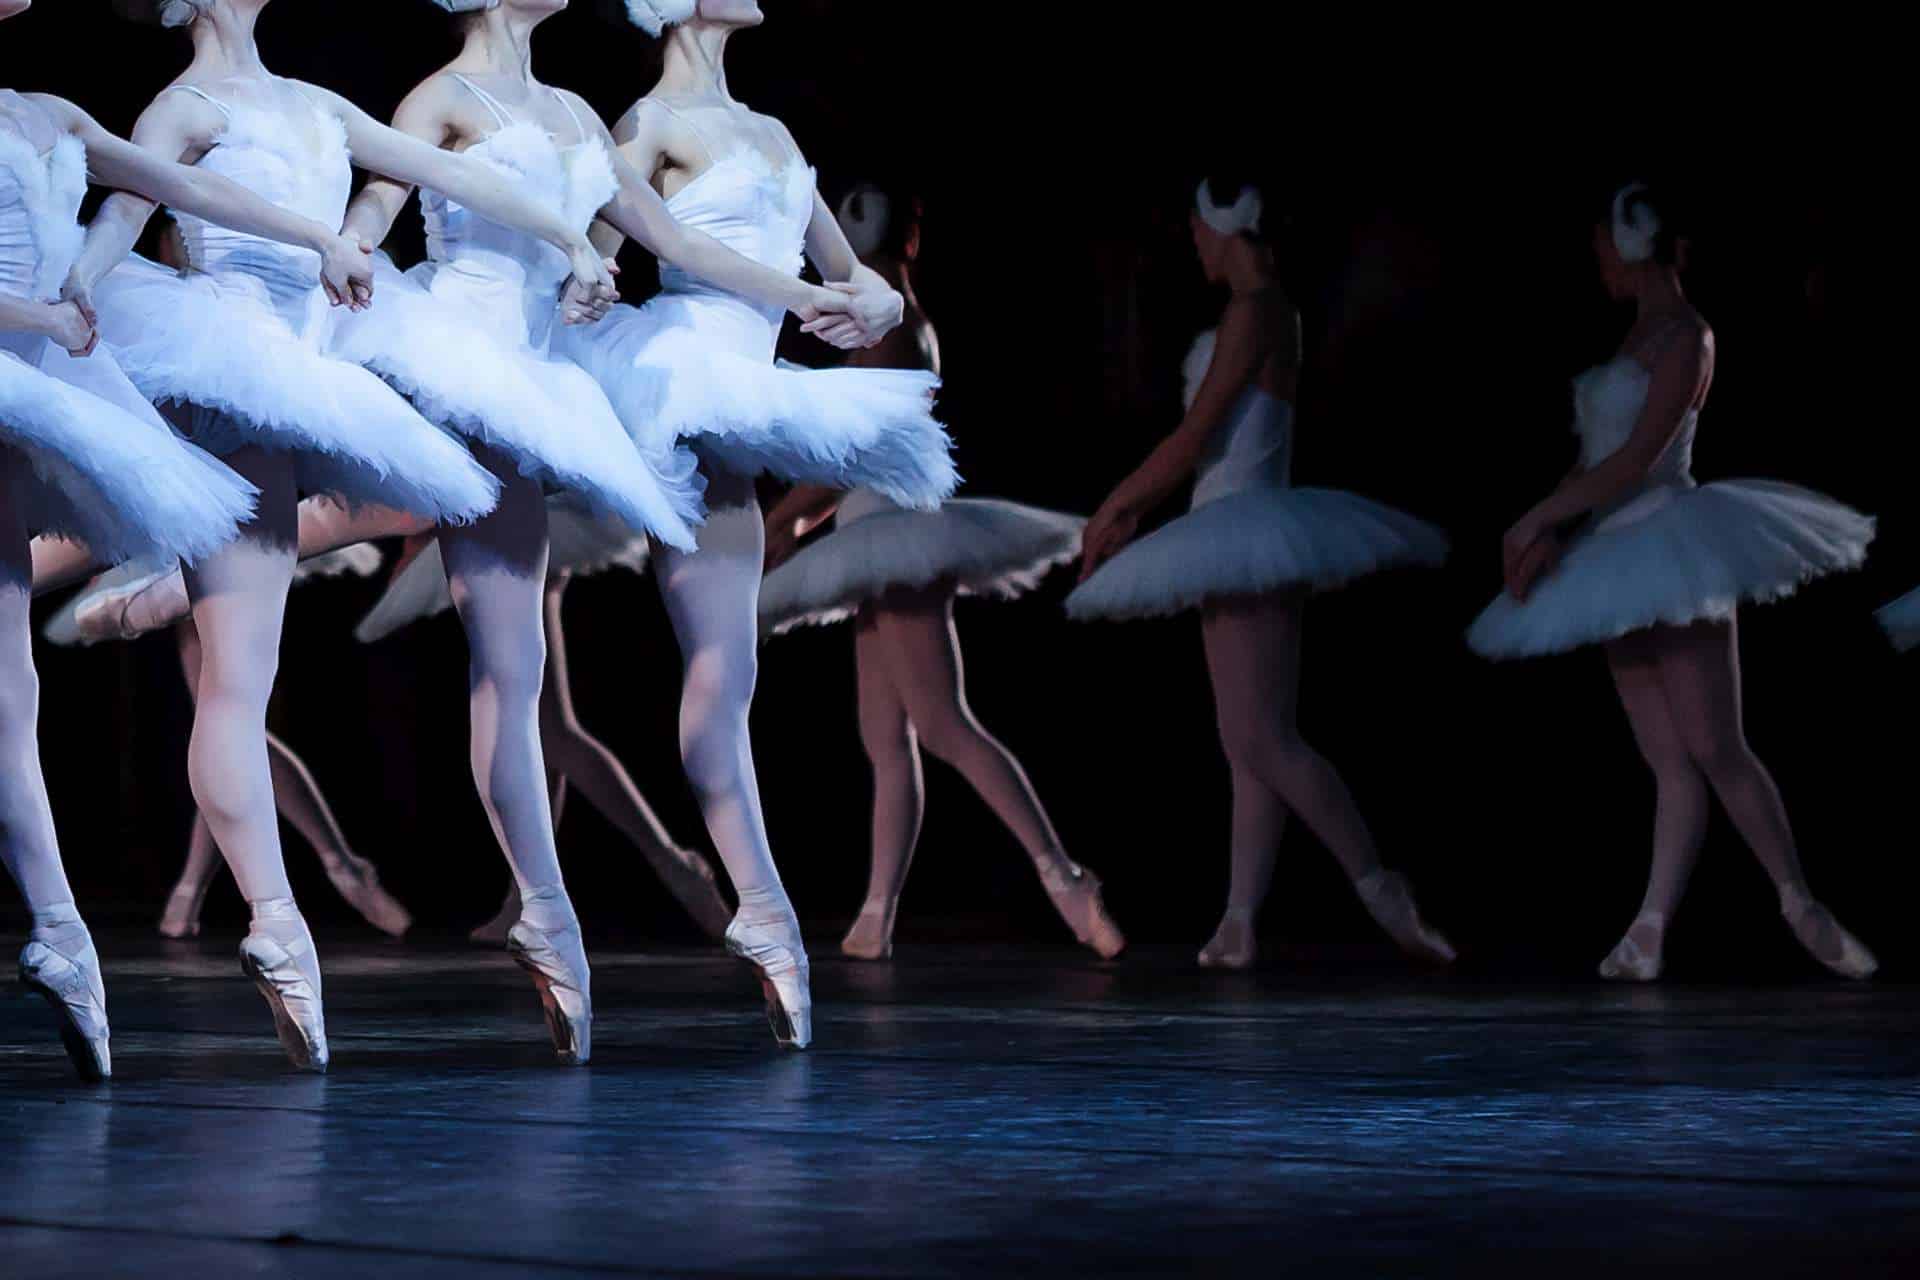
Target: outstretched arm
114	162
477	185
1242	346
177	128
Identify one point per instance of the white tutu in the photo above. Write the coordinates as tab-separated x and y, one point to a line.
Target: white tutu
216	345
1901	620
361	560
980	546
1672	553
577	545
1255	542
1699	556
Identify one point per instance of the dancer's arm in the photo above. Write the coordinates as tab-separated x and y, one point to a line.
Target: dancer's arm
62	322
1244	343
479	186
805	508
638	213
1680	371
112	161
876	307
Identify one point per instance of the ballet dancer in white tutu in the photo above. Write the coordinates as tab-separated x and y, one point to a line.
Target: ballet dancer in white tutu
296	401
894	573
576	760
1247	556
86	459
696	365
1630	554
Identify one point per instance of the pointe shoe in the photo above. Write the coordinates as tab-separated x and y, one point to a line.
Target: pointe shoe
292	990
180	918
565	992
1389	900
358	881
776	953
1232	946
71	985
1827	941
495	930
690	880
132	609
1630	961
1075	892
871	937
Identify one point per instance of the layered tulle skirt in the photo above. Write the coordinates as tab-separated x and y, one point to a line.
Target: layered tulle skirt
1258	541
248	366
1901	620
698	368
1673	556
577	545
454	343
976	546
103	468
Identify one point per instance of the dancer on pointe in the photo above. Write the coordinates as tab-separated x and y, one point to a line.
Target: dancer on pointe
696	363
86	458
1630	554
1247	556
895	573
264	377
575	758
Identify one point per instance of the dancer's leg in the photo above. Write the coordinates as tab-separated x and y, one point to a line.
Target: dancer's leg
923	653
1259	820
61	562
1253	657
899	791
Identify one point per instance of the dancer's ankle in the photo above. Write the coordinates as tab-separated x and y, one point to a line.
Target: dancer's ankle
764	904
548	909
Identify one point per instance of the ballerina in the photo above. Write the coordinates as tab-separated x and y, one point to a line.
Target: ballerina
575	758
895	574
86	459
264	377
1630	554
1247	556
696	363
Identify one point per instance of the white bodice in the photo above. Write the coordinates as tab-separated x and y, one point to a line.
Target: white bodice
753	205
575	178
295	158
1607	402
1252	448
40	196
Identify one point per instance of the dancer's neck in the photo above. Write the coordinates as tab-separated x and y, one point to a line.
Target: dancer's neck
225	48
500	45
695	68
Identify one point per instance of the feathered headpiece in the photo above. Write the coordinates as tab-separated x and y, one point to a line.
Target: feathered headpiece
1635	224
1230	219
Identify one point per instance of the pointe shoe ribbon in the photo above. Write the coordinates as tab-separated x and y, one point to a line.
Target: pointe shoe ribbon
68	984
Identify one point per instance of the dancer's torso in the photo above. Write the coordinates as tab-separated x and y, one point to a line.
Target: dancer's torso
1252	448
506	275
289	150
1607	402
43	177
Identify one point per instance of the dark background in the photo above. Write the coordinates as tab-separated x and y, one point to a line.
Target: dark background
1441	184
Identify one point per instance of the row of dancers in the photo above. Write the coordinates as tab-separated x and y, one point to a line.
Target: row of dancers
499	409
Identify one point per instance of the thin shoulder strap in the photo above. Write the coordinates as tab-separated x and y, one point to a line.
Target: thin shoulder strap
204	96
501	116
579	129
713	153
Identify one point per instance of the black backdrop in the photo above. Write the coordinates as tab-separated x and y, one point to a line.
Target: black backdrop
1441	184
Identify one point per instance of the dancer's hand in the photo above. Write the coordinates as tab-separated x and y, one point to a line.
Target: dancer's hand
594	276
872	313
1526	531
68	324
821	309
580	304
1113	526
1535	563
346	272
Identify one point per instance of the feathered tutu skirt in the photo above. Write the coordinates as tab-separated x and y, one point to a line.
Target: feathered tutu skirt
1901	620
981	546
454	343
103	468
252	368
1257	541
698	368
1677	555
577	545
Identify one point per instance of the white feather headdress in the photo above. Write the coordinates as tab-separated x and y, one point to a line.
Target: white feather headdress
1635	224
655	16
1230	219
